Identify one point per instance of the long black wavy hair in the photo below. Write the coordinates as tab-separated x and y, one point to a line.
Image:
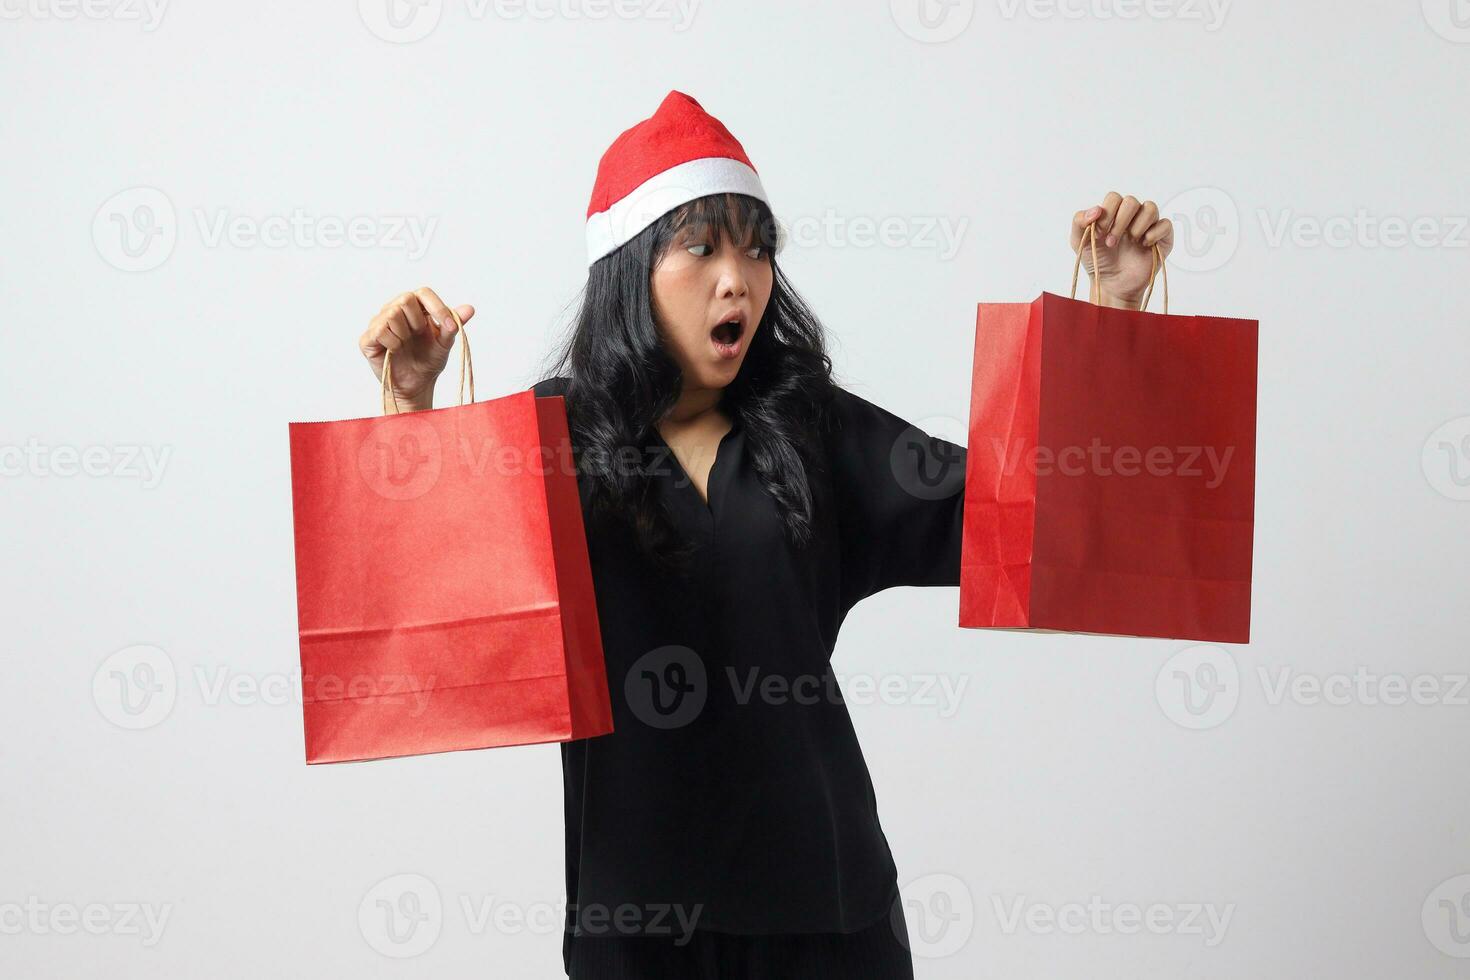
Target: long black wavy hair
622	380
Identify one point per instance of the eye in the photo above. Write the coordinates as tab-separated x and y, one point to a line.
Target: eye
702	245
757	251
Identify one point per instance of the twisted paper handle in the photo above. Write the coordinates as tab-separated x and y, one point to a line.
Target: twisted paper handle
466	369
1095	291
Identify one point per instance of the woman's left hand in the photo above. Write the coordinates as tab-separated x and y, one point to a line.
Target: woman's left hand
1127	232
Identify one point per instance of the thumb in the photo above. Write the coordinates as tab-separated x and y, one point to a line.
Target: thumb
1080	221
450	328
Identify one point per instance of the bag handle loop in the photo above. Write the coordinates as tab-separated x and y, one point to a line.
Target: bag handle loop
466	369
1095	290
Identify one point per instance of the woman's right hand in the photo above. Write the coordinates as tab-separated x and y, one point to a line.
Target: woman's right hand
418	328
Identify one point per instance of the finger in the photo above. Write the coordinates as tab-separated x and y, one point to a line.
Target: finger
1161	233
1126	210
1080	221
435	307
396	322
412	310
450	328
444	325
445	333
1110	209
408	301
414	315
368	342
377	337
1147	215
384	337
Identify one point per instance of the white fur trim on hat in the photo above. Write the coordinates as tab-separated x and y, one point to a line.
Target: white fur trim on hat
608	230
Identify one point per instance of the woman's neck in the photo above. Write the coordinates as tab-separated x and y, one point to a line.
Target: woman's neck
693	406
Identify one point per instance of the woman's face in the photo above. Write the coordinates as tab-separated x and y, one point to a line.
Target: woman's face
700	287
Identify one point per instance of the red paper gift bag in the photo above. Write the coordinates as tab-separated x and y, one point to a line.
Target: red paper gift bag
1110	478
444	593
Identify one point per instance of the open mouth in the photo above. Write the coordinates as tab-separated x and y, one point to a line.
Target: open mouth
726	335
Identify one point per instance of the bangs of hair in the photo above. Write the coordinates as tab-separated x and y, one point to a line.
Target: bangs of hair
622	380
747	220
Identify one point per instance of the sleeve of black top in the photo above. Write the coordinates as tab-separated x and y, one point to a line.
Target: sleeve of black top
900	500
547	387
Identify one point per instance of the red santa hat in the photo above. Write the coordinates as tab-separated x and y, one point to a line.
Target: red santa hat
678	154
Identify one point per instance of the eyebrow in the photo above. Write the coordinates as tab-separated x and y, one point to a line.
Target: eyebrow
696	224
701	224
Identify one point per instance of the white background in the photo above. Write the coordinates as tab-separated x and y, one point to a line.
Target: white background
1328	832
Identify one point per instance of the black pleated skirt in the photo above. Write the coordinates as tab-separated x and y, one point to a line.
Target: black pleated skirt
878	952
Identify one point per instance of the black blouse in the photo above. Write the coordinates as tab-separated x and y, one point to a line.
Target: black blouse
732	795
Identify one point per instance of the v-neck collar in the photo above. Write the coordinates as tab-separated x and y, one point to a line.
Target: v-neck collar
708	505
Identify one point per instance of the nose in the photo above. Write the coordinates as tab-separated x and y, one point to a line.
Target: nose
732	272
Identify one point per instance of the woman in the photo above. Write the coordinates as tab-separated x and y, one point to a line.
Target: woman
737	504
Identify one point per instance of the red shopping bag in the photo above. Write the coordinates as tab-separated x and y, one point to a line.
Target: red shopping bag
444	593
1110	478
